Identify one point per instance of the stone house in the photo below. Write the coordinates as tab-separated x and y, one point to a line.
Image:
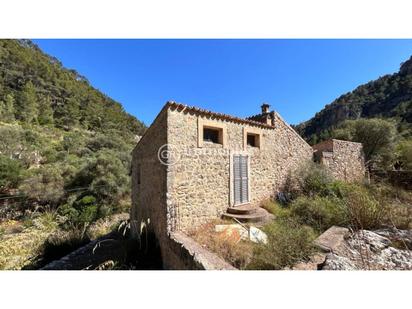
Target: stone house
194	165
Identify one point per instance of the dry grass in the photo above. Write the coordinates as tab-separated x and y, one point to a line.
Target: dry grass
106	225
18	249
228	246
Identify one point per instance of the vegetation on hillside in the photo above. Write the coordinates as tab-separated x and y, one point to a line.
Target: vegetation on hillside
389	97
64	147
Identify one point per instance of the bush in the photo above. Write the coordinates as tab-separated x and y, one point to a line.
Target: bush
289	242
344	204
10	172
44	185
80	213
314	179
320	212
106	176
363	209
404	154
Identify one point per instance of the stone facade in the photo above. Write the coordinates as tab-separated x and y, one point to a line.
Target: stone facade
199	184
344	160
149	182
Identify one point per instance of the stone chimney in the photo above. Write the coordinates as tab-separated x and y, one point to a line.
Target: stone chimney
265	108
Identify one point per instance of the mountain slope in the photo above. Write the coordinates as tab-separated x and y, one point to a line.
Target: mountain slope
64	155
389	96
74	102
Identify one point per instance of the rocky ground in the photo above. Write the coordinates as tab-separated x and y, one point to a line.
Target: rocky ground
385	249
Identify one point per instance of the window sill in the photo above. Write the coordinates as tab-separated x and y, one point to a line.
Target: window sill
207	144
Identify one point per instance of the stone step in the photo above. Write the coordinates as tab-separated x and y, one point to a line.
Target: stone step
242	210
259	215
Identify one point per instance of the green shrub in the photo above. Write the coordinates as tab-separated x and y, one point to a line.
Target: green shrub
289	242
80	213
314	179
10	172
404	154
320	212
363	209
44	185
350	205
106	176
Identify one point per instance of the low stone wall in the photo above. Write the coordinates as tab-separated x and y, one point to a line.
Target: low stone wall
90	256
184	253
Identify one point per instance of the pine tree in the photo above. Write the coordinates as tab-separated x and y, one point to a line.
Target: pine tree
45	111
68	114
27	105
7	109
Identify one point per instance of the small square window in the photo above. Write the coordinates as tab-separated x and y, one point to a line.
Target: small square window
253	140
212	135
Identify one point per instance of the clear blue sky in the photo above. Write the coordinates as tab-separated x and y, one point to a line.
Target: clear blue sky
297	77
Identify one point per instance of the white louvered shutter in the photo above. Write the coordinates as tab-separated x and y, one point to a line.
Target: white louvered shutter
244	179
237	179
240	181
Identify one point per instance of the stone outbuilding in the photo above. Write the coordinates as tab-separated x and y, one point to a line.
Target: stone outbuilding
194	165
344	160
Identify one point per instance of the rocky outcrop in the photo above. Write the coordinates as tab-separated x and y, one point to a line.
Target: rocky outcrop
366	250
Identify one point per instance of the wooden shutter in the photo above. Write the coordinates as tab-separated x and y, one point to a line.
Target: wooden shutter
244	179
236	180
240	179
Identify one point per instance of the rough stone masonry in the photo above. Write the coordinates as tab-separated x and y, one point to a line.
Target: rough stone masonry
183	173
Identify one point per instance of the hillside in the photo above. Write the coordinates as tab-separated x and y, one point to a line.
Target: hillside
64	155
74	102
388	97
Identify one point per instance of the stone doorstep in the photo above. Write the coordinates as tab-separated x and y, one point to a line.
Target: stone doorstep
247	209
259	216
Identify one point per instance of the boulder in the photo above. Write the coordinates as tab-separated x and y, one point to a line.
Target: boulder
367	250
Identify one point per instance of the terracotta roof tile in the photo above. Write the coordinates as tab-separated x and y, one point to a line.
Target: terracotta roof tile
183	107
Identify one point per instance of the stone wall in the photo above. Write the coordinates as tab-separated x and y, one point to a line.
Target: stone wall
199	182
149	212
344	159
183	253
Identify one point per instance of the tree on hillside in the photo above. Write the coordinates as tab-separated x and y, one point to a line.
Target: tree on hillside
7	109
68	114
376	135
45	111
27	105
